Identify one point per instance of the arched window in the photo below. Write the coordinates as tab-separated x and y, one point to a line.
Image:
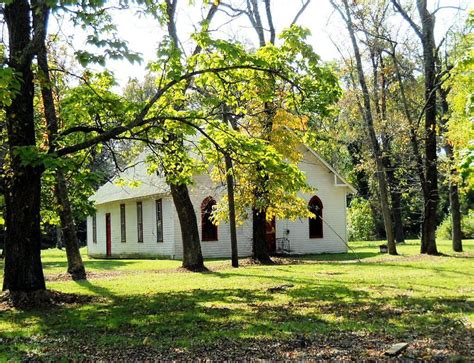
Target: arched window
316	224
208	229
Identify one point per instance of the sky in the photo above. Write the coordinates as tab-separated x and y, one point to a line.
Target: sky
143	34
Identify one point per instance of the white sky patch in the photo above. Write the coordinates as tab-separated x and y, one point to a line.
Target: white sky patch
143	33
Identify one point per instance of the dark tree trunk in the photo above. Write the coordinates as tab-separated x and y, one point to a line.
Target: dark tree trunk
260	249
455	216
413	134
392	179
231	202
75	265
455	213
3	211
368	118
23	269
454	205
395	195
192	254
230	193
428	240
397	217
395	198
259	242
71	242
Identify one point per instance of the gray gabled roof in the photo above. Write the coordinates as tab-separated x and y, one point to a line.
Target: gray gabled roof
125	186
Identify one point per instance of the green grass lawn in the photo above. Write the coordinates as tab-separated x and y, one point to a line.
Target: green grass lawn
333	306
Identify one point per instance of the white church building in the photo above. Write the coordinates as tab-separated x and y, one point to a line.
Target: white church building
141	221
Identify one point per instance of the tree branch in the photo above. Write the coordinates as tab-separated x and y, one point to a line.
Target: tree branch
268	10
301	11
410	21
140	120
256	21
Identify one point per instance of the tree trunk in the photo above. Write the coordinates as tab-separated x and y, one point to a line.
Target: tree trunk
231	202
230	193
395	197
259	241
397	217
192	254
380	172
23	269
413	131
428	239
454	205
75	265
2	193
260	249
71	242
392	179
455	216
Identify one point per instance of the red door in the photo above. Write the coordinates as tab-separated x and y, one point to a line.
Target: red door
108	235
271	235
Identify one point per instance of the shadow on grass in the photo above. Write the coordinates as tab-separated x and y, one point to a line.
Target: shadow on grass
202	317
96	289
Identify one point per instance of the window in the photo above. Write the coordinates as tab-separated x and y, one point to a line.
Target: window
140	221
123	229
316	224
159	220
94	228
209	229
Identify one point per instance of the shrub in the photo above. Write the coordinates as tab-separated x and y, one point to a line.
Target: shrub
361	224
444	230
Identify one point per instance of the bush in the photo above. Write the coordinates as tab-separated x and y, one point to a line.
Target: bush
444	230
361	224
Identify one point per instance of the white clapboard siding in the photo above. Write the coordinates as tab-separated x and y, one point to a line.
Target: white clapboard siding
202	189
131	247
334	213
330	188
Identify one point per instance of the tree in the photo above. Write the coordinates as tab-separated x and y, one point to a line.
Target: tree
192	254
456	106
370	20
368	118
257	155
259	209
75	265
231	196
23	271
425	33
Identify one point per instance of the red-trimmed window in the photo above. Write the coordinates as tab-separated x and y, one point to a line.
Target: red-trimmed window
140	221
159	220
316	223
123	228
208	229
94	228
